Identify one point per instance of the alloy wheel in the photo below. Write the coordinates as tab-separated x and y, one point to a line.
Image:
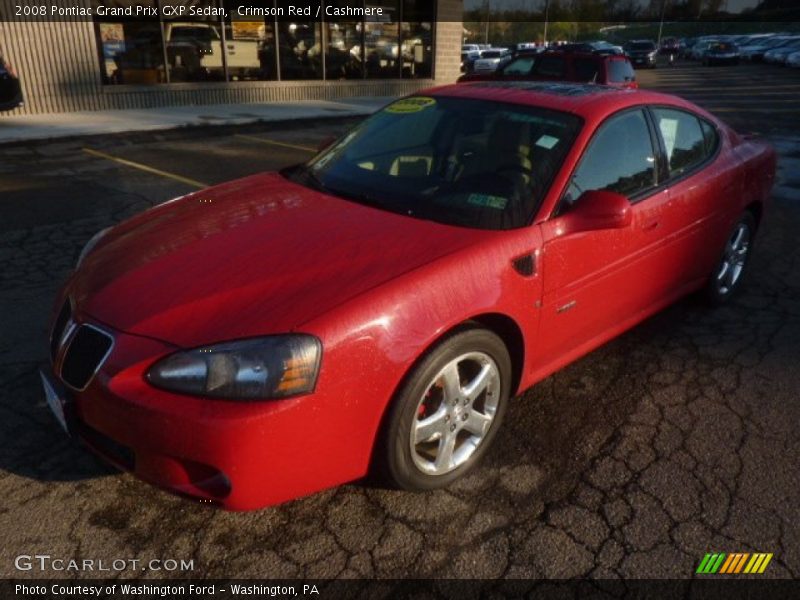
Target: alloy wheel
454	415
733	261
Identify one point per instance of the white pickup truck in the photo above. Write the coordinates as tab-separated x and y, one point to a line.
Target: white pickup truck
190	42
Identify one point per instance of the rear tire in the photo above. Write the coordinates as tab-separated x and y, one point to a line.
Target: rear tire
447	413
726	278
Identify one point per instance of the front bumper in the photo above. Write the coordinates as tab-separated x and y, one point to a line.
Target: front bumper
10	93
236	455
643	60
723	58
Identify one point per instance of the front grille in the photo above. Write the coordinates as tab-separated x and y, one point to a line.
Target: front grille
58	329
85	353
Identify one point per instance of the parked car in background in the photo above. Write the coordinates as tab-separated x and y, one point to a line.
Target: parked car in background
685	47
10	88
468	59
528	47
596	47
778	55
793	60
552	65
748	40
604	47
701	47
642	53
490	59
380	306
755	52
669	46
721	53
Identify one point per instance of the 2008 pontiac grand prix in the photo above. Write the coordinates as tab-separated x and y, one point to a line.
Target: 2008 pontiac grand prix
378	307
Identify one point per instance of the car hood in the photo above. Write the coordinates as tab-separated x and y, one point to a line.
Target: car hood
256	256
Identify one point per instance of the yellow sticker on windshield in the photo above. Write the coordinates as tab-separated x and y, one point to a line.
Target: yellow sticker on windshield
410	105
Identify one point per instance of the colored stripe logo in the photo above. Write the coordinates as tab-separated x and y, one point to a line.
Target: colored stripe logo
734	563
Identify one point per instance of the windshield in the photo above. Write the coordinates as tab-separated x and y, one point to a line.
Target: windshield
459	161
492	54
642	46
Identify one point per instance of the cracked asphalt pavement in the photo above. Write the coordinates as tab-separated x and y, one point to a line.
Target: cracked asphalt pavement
676	439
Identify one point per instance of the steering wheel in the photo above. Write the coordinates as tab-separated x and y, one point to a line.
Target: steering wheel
516	172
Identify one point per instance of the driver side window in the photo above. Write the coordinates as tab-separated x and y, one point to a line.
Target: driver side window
620	158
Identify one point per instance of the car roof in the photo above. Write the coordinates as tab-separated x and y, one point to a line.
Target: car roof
598	56
578	98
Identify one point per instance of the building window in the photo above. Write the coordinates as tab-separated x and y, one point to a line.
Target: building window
344	50
416	32
238	47
381	41
194	47
300	50
250	48
130	52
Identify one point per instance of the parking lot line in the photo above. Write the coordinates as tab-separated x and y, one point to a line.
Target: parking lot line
141	167
253	138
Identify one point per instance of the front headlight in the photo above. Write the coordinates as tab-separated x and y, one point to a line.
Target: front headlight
253	369
89	246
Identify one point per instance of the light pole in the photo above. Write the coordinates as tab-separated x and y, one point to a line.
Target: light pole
661	24
488	16
546	10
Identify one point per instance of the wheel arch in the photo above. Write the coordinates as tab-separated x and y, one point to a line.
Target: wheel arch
757	209
502	325
508	330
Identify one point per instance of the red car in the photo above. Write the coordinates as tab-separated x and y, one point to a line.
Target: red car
580	67
380	306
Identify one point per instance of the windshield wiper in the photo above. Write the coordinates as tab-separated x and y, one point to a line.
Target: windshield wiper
306	176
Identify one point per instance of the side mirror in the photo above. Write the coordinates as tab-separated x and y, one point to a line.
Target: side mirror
326	143
598	209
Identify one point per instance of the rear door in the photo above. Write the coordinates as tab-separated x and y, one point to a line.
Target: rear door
702	190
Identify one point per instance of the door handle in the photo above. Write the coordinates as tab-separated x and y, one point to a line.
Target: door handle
651	226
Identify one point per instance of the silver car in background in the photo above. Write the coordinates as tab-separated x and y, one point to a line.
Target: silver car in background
778	55
756	51
490	59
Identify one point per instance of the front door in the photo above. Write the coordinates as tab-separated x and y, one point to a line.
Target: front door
595	282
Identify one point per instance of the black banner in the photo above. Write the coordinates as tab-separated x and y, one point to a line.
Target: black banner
707	588
581	11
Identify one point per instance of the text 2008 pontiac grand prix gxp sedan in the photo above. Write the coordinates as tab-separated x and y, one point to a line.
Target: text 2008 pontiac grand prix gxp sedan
379	306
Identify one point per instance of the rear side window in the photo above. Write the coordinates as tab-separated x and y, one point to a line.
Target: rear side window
684	139
586	70
620	71
550	66
520	66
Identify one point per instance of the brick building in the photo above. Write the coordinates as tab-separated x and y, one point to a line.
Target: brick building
107	61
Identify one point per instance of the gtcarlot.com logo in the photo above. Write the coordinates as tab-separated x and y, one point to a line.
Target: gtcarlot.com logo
734	563
46	562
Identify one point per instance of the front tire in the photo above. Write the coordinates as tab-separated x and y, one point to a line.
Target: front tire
448	411
726	279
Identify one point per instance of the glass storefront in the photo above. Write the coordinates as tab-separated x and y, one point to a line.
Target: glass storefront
226	45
